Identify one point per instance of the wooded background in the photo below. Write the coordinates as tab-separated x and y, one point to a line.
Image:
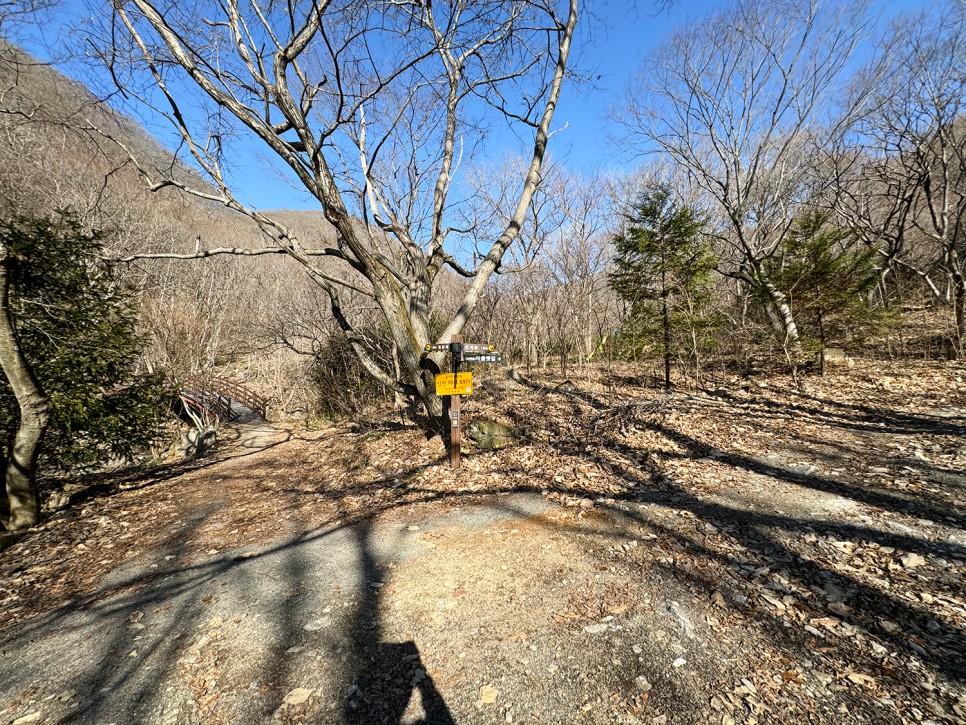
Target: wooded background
821	155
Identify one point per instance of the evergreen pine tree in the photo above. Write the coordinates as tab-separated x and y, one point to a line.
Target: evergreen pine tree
662	268
827	277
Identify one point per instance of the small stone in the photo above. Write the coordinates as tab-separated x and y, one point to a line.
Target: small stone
412	528
718	599
316	624
933	626
595	628
679	662
488	694
642	684
636	649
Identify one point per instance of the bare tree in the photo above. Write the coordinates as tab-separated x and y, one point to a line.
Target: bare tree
739	100
577	257
371	107
902	165
553	295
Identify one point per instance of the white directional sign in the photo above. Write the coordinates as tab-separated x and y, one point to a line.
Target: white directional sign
482	357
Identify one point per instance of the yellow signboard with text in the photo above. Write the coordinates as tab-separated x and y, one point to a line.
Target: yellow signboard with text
454	384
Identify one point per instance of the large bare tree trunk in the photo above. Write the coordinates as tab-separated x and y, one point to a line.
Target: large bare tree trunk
23	509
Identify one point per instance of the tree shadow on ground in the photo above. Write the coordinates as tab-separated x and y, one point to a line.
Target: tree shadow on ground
134	478
939	643
861	418
143	629
380	678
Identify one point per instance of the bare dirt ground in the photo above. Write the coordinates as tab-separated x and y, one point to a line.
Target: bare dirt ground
747	553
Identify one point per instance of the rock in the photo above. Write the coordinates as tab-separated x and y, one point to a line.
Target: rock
197	442
488	694
316	624
490	434
718	599
835	356
595	628
679	662
499	384
642	684
566	387
9	538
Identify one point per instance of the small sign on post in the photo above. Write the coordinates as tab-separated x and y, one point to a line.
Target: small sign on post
456	383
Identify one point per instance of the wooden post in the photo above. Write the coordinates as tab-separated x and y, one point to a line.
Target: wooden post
454	407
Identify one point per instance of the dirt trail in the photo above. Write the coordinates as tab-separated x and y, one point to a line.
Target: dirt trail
747	555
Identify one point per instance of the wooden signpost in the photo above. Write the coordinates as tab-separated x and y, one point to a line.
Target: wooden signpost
456	384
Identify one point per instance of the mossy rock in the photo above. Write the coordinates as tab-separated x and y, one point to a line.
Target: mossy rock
490	435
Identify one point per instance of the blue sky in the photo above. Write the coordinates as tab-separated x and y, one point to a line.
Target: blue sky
611	48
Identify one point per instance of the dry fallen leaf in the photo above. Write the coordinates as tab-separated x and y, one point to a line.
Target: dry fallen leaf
488	694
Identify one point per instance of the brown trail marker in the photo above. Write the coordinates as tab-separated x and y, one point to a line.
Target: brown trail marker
456	384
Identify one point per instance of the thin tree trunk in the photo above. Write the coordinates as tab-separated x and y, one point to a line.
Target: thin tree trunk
821	338
666	323
960	305
21	466
667	343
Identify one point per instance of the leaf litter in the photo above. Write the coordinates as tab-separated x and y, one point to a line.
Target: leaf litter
757	552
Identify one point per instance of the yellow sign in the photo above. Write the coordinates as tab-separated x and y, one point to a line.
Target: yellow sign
454	384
